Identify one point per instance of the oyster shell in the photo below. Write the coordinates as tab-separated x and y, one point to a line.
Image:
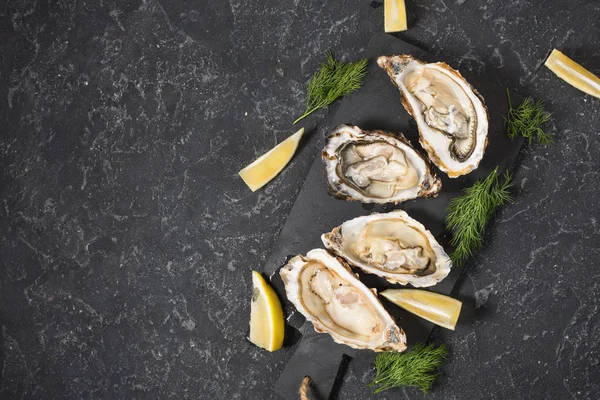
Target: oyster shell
450	114
391	245
376	167
329	295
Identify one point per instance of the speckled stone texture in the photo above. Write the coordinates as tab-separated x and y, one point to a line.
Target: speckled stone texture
128	238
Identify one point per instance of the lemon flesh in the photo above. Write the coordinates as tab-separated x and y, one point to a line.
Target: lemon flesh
573	73
434	307
266	315
395	16
267	166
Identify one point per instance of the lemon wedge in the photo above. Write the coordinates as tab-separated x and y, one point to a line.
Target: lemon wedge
266	315
434	307
395	16
267	166
573	73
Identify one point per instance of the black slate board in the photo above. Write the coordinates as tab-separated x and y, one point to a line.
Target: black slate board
375	106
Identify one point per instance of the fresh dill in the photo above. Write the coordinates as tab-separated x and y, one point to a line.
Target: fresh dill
417	367
335	79
527	120
468	215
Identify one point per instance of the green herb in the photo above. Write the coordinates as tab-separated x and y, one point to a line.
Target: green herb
334	80
418	367
468	215
527	120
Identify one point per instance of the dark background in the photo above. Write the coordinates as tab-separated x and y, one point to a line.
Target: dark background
128	238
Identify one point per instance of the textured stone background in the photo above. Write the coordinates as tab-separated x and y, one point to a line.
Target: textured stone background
128	238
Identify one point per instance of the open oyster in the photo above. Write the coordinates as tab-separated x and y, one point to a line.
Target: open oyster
329	295
376	167
391	245
450	114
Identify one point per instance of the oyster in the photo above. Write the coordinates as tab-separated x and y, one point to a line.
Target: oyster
450	114
391	245
376	167
329	295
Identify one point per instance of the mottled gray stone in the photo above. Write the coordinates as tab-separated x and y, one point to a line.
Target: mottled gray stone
128	238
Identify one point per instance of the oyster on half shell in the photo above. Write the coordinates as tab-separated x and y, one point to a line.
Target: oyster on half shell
329	295
451	115
391	245
376	167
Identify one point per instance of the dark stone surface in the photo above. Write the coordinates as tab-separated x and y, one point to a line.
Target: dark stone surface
128	238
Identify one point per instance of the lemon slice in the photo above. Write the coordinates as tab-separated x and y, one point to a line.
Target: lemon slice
434	307
573	73
266	315
395	16
267	166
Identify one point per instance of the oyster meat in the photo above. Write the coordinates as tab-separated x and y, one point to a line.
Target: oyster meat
327	293
376	167
451	115
391	245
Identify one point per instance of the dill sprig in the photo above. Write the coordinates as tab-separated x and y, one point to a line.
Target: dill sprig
527	120
468	215
417	367
334	80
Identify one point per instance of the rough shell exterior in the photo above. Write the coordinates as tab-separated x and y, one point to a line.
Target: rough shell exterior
393	338
430	184
333	242
385	63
